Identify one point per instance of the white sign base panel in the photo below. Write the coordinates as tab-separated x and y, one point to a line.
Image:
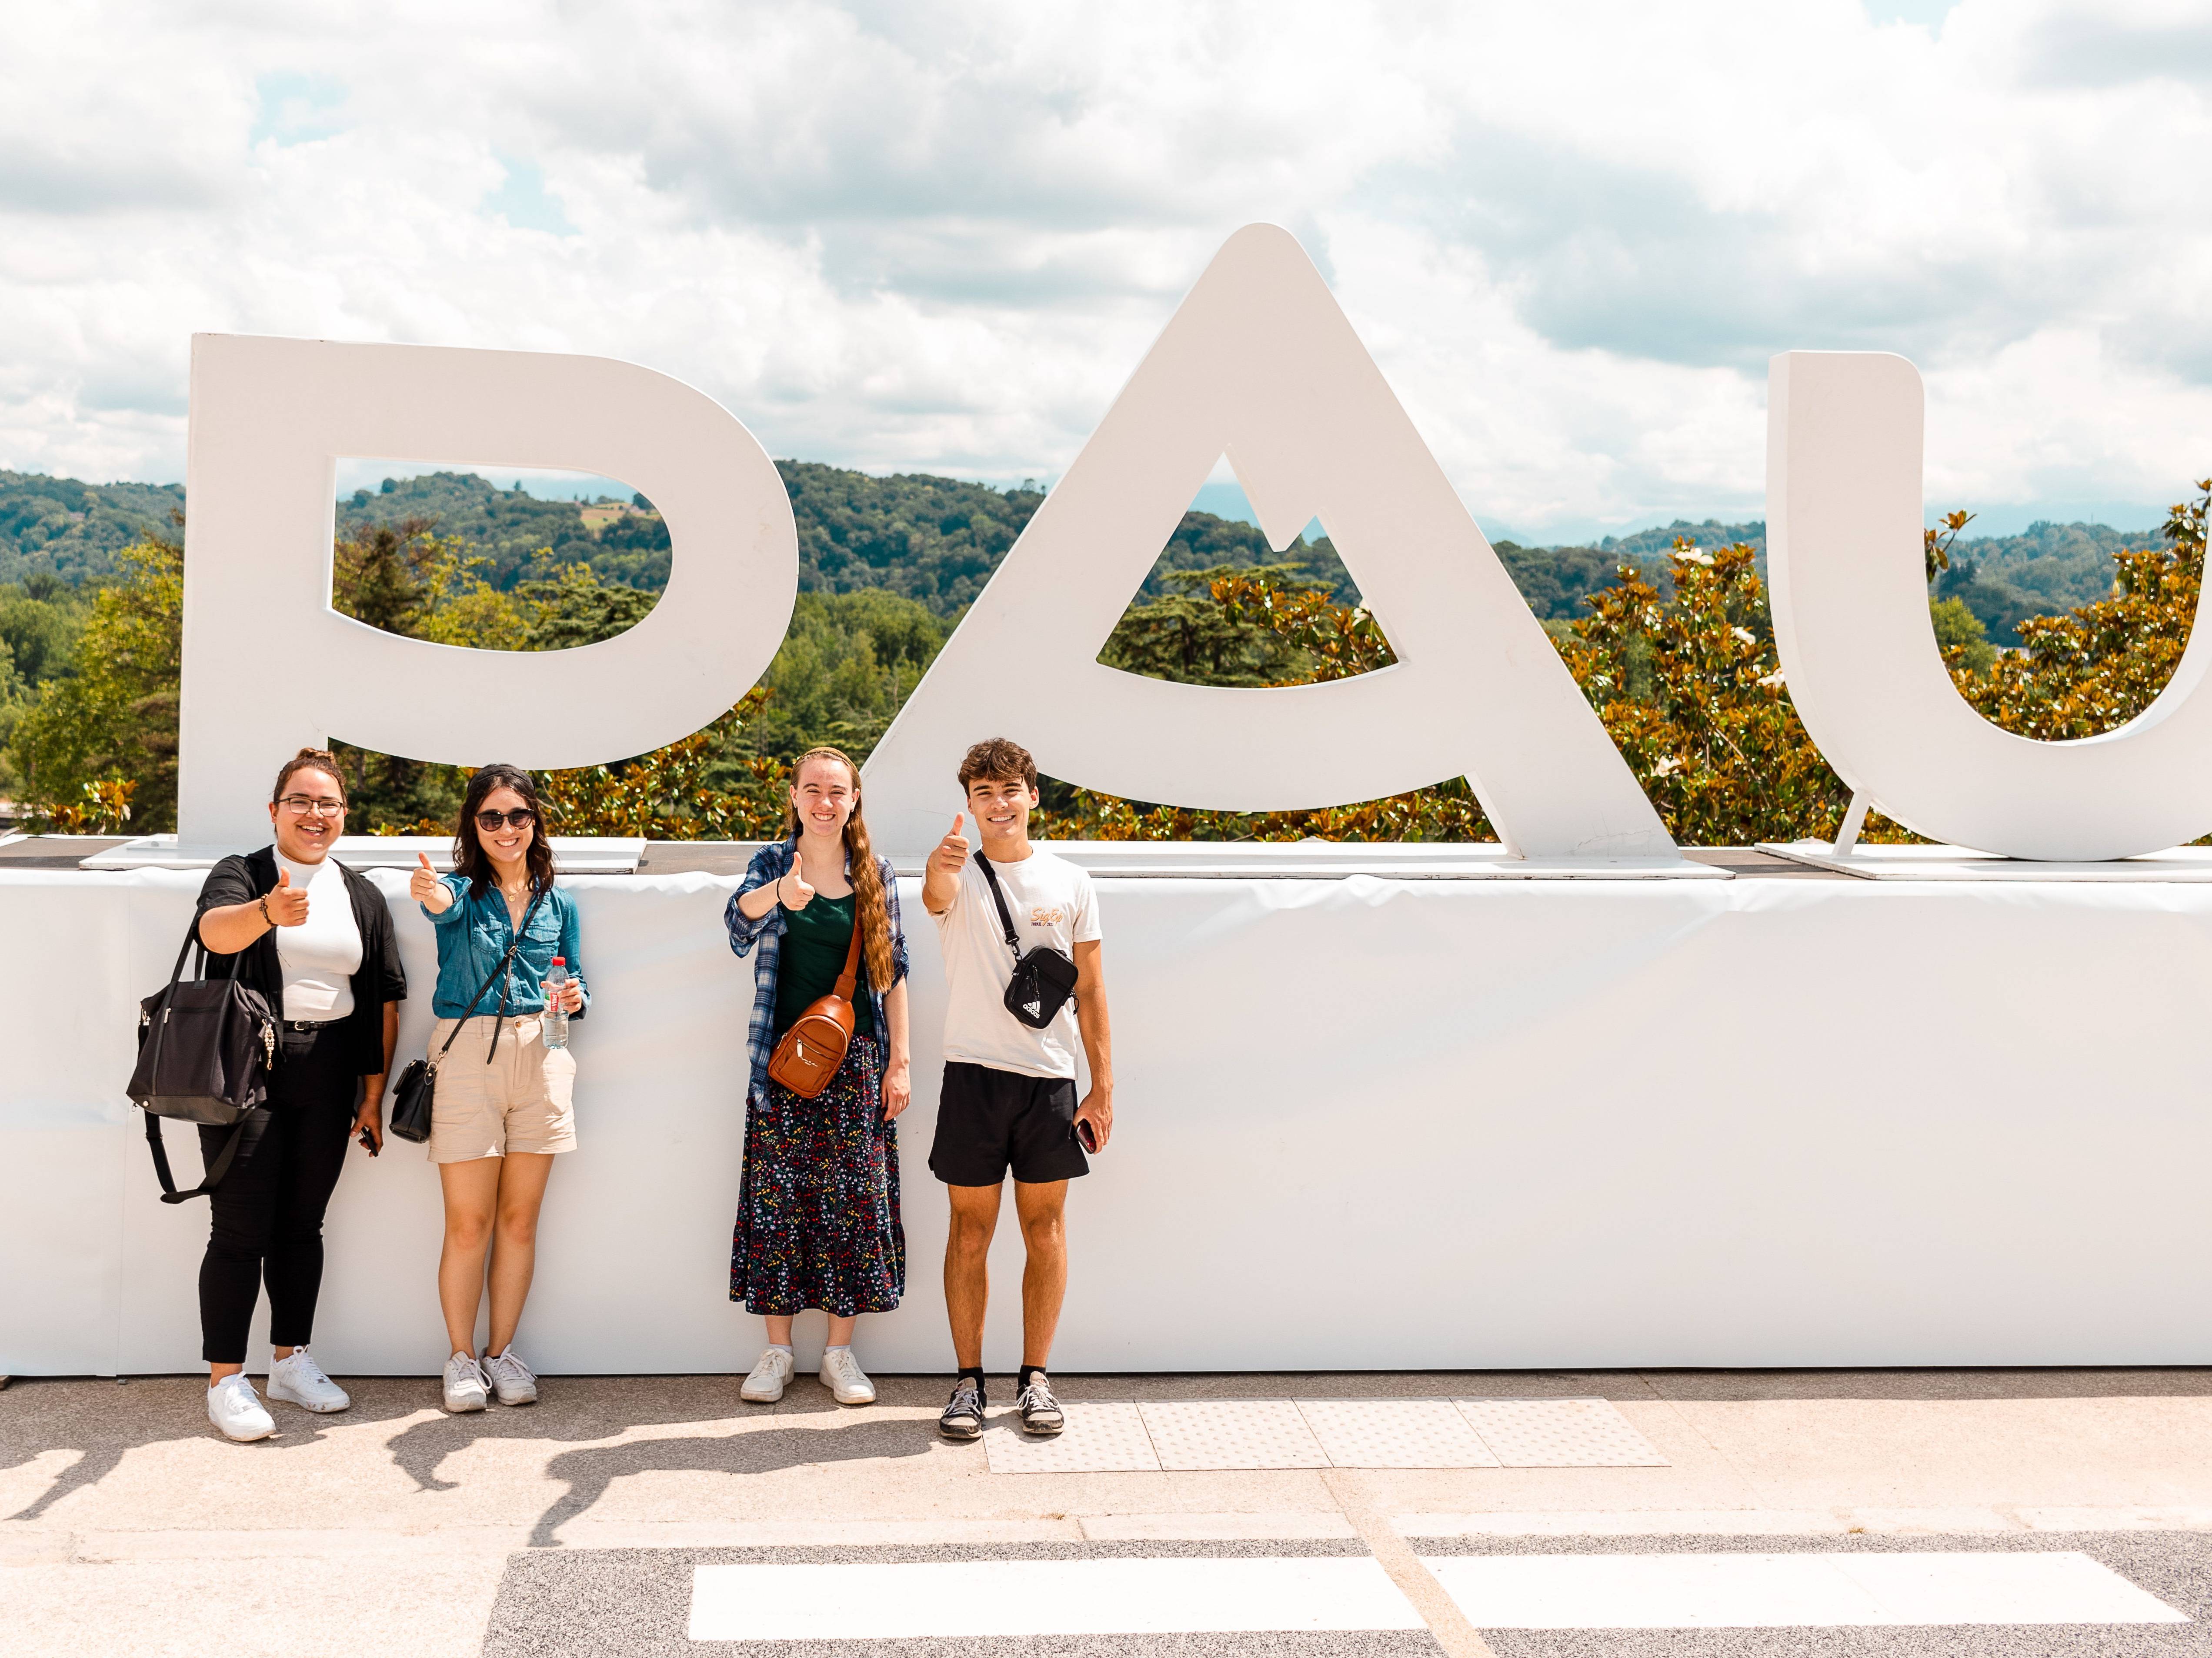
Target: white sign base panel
1611	1123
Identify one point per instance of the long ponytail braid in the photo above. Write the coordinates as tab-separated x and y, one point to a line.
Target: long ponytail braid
871	910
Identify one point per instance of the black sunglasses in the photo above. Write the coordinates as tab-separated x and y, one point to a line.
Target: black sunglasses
520	818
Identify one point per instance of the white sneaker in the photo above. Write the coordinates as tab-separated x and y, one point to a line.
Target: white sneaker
769	1377
465	1384
300	1381
842	1376
512	1380
234	1407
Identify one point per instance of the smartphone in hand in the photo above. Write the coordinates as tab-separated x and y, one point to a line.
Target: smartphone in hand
1086	1136
367	1144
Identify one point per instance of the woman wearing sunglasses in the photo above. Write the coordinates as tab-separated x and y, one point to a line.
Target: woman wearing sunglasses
504	1103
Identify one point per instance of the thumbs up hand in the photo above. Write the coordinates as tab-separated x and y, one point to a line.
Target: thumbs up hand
427	890
286	904
951	853
792	891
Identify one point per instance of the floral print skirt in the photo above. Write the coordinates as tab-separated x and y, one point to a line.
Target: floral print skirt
818	1201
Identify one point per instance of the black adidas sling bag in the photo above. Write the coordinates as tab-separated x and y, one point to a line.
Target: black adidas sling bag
1043	981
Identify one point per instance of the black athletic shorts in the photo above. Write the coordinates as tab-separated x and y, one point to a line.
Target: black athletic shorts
988	1119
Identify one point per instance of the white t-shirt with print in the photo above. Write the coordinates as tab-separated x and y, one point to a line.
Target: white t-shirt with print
1052	902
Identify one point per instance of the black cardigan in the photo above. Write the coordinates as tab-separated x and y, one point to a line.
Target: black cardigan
242	878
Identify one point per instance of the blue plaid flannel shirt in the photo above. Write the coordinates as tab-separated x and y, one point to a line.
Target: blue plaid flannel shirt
770	864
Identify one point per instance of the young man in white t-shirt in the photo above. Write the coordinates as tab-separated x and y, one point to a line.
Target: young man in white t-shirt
1009	1100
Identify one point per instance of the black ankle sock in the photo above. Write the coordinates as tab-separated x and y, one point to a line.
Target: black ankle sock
1028	1371
973	1372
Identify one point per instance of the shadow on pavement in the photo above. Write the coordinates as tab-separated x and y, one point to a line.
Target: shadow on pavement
588	1472
573	1409
105	1423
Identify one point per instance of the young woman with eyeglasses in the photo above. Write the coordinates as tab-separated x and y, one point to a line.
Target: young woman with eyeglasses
504	1106
317	940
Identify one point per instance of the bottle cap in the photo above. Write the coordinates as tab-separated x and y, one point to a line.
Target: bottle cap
560	961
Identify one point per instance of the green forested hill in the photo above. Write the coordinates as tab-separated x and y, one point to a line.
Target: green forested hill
508	527
65	528
2046	569
936	540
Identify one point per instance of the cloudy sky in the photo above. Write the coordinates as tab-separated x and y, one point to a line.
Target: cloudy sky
914	235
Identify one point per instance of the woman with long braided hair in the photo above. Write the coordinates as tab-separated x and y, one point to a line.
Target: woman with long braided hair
819	1199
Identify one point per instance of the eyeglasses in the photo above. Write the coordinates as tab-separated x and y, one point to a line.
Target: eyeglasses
301	805
520	818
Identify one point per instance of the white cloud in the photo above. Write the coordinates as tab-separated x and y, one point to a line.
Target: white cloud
938	236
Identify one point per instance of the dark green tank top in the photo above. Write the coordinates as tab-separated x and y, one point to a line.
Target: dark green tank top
815	940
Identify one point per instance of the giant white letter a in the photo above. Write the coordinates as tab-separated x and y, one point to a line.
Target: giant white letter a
1259	364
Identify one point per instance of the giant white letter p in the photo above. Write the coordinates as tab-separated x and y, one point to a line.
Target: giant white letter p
270	666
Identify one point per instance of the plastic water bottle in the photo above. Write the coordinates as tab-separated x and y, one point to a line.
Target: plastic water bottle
555	1024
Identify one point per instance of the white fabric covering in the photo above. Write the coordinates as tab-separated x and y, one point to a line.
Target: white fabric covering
1455	1123
321	954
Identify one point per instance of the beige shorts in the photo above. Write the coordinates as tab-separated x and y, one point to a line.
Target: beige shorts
523	1102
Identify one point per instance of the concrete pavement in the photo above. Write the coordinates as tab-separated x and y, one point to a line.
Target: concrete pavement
126	1525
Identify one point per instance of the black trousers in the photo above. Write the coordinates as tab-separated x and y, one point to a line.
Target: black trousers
267	1225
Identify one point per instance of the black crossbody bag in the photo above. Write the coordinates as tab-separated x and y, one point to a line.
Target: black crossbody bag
411	1096
1043	981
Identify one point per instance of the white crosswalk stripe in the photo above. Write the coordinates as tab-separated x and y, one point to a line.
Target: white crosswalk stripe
1796	1590
975	1598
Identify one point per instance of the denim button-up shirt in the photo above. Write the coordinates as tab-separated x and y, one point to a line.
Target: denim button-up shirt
473	934
770	865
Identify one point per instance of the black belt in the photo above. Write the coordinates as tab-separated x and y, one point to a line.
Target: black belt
310	1024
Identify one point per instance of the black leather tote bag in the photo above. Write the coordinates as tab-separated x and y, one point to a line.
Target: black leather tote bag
205	1049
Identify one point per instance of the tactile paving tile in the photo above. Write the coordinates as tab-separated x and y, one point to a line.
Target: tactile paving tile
1098	1439
1394	1433
1232	1433
1559	1433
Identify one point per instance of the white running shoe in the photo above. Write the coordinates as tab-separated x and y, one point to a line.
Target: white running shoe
465	1390
842	1376
234	1407
512	1380
769	1377
300	1381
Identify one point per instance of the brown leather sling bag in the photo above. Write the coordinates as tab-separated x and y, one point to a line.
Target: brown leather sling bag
814	1047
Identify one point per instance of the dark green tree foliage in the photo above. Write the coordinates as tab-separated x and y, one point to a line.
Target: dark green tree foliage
113	715
379	573
65	528
848	661
39	622
634	552
1188	636
1558	582
2003	579
1996	604
937	540
2055	566
572	609
1959	628
934	540
1657	546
